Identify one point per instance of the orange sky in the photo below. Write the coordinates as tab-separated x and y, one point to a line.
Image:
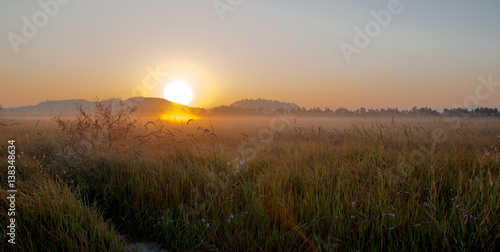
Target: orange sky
430	54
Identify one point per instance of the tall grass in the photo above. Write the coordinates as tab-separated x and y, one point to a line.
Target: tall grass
357	184
50	217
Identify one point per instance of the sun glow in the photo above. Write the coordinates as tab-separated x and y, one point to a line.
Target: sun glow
178	92
178	117
178	113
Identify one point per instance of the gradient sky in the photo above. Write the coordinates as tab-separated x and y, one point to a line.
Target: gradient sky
430	54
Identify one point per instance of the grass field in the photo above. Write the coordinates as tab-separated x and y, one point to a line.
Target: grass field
254	183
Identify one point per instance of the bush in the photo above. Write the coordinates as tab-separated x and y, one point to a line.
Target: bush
92	133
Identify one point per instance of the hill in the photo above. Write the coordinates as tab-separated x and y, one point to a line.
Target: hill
144	106
48	107
265	106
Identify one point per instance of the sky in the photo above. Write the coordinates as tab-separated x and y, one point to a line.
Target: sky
314	53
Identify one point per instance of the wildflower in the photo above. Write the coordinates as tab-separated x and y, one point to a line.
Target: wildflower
392	215
228	220
391	228
231	216
383	214
208	225
203	219
352	217
163	217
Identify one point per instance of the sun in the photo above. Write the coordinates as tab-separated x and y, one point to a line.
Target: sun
178	92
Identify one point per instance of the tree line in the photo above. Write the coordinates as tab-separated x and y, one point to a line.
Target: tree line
361	111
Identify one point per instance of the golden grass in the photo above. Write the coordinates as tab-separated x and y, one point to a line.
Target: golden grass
263	183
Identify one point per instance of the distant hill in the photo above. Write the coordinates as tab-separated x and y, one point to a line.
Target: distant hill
144	105
48	107
149	105
157	106
263	105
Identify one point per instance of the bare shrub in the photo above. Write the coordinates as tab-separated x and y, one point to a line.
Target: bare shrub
93	132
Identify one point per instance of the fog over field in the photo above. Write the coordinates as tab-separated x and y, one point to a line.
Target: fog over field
233	125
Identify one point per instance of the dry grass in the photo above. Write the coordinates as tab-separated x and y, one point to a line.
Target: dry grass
257	183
